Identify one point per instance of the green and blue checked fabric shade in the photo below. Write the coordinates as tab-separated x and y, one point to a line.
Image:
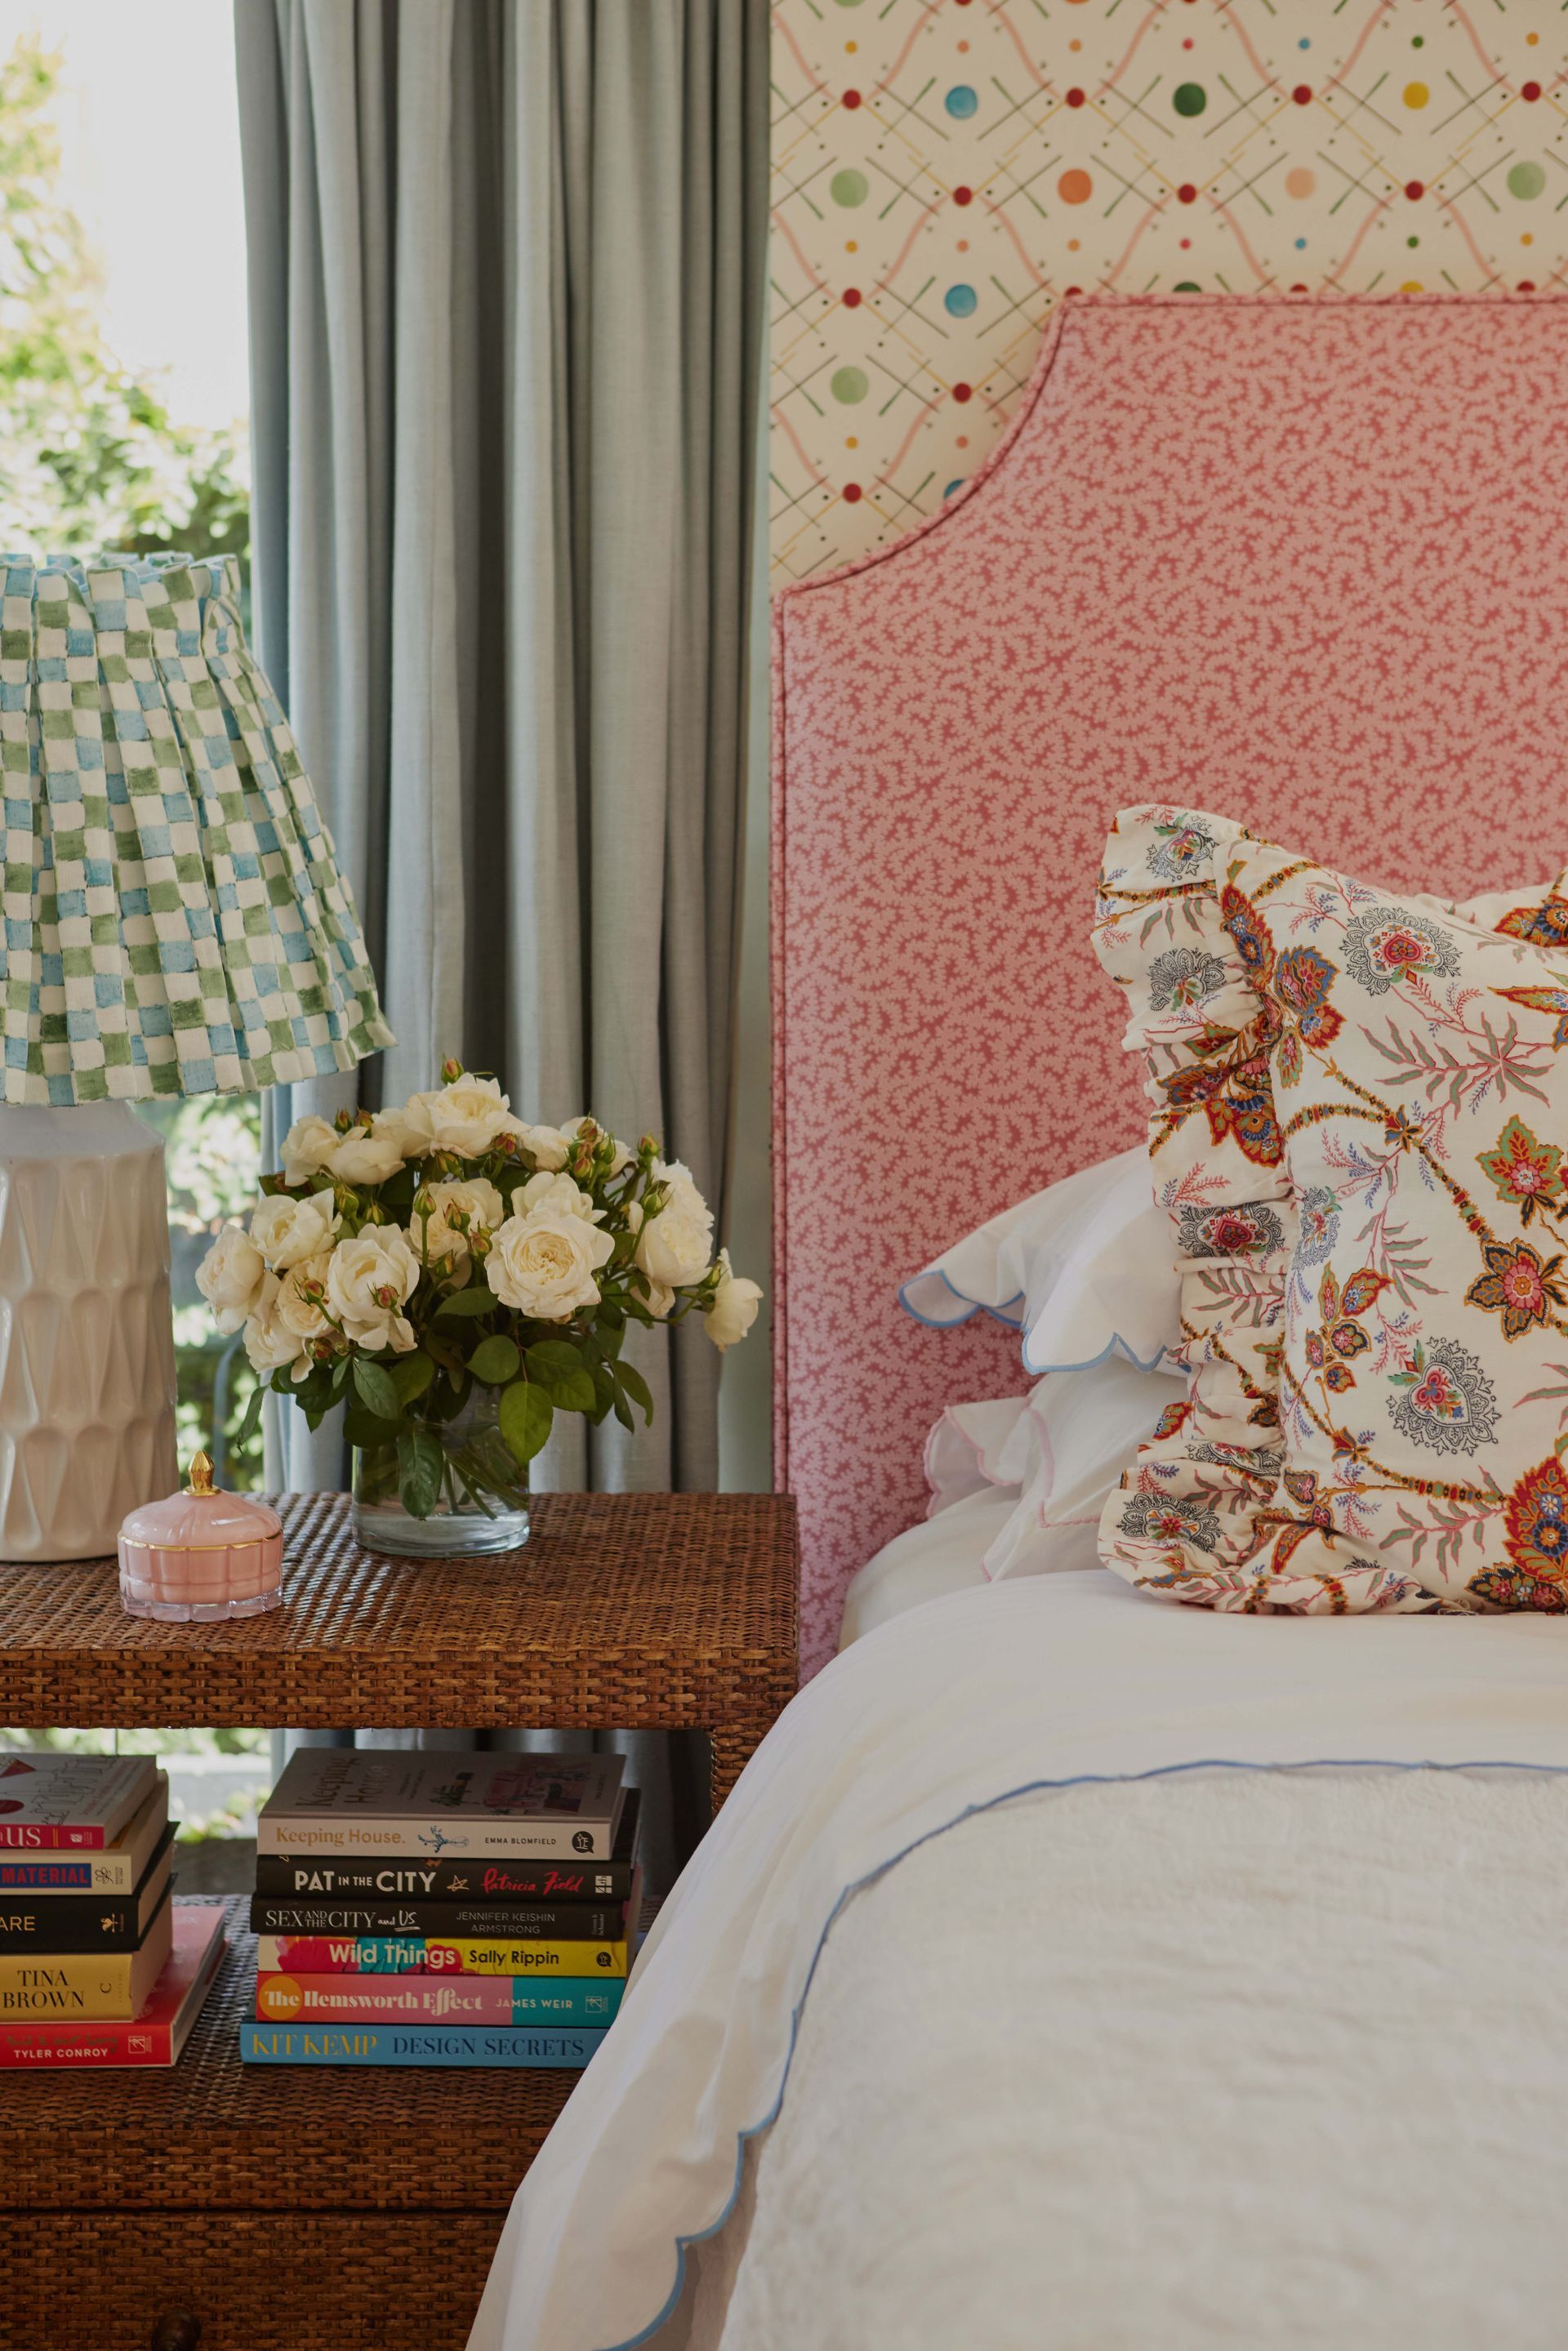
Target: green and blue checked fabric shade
174	919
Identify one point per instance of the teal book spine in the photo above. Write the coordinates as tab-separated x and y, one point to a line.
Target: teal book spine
400	2044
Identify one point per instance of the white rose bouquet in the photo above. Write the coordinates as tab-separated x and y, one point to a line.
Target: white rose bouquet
403	1261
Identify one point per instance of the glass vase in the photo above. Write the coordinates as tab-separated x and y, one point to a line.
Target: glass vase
483	1501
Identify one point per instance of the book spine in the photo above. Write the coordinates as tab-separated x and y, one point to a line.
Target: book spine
66	1985
281	1877
110	1874
124	2042
51	1836
274	2044
418	1838
479	2001
396	1955
565	1922
65	1922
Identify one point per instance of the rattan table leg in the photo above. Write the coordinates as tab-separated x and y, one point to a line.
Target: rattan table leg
734	1744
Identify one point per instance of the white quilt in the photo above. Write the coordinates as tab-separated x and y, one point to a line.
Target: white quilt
963	1704
1228	2060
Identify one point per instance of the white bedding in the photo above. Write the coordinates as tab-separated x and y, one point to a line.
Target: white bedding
943	1554
955	1706
1209	2063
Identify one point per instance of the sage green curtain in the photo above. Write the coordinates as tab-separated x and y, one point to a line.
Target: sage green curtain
506	268
506	274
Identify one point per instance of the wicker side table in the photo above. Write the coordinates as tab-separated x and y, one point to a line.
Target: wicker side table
342	2209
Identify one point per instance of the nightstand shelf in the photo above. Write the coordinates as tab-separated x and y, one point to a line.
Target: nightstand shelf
342	2209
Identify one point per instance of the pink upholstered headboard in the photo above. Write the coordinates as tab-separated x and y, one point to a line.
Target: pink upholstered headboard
1300	561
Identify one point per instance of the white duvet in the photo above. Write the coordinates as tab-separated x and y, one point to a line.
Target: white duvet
1258	2060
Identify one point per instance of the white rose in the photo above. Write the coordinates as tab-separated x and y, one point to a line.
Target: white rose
465	1116
269	1343
549	1146
367	1282
407	1129
544	1265
734	1308
308	1147
554	1195
478	1198
364	1157
292	1308
659	1298
230	1277
676	1246
286	1230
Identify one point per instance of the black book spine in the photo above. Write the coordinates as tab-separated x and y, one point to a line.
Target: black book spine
62	1923
584	1922
291	1877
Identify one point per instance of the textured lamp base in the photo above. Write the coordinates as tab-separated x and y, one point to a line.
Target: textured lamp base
87	1343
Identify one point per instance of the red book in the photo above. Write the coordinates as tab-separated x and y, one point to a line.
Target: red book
50	1803
155	2037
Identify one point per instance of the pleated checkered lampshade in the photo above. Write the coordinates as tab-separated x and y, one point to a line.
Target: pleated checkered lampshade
174	919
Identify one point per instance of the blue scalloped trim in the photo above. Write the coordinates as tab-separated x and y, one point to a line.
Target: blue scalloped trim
975	1305
1026	1788
1115	1345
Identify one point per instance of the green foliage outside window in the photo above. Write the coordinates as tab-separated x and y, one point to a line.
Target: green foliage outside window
91	458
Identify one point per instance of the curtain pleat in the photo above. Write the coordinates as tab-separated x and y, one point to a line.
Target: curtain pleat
506	270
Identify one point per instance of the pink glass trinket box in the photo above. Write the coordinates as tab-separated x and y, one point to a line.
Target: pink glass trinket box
201	1556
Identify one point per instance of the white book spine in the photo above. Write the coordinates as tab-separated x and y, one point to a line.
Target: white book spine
361	1834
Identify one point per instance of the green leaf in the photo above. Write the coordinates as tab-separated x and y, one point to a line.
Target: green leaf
340	1373
367	1429
478	1299
561	1372
494	1360
410	1375
374	1385
420	1462
251	1419
526	1416
636	1387
446	1399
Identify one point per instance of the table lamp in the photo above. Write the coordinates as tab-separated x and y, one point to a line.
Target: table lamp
174	922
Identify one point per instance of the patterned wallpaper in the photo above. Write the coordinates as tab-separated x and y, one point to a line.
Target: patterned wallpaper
945	170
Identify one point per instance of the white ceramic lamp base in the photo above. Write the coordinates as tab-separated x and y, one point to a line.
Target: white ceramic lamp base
87	1341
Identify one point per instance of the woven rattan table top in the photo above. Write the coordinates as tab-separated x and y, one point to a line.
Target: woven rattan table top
622	1609
212	2133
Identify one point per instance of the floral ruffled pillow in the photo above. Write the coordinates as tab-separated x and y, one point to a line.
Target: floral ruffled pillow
1355	1098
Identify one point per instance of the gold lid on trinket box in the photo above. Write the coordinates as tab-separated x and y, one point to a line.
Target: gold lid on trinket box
201	1555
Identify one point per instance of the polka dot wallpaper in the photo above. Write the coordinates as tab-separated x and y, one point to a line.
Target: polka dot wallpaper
945	170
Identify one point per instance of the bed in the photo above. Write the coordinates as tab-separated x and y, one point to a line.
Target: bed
1068	1968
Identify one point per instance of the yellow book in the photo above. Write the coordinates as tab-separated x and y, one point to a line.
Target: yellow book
394	1955
87	1987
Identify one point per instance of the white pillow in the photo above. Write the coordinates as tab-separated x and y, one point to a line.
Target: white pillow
1078	1432
925	1563
1059	1452
1085	1269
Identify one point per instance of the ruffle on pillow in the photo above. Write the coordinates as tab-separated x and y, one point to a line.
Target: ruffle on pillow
1192	1517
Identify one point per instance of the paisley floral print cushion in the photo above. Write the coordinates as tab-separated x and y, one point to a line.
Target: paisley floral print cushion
1359	1129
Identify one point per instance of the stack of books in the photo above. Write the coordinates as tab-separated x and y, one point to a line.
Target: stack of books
442	1909
98	1964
